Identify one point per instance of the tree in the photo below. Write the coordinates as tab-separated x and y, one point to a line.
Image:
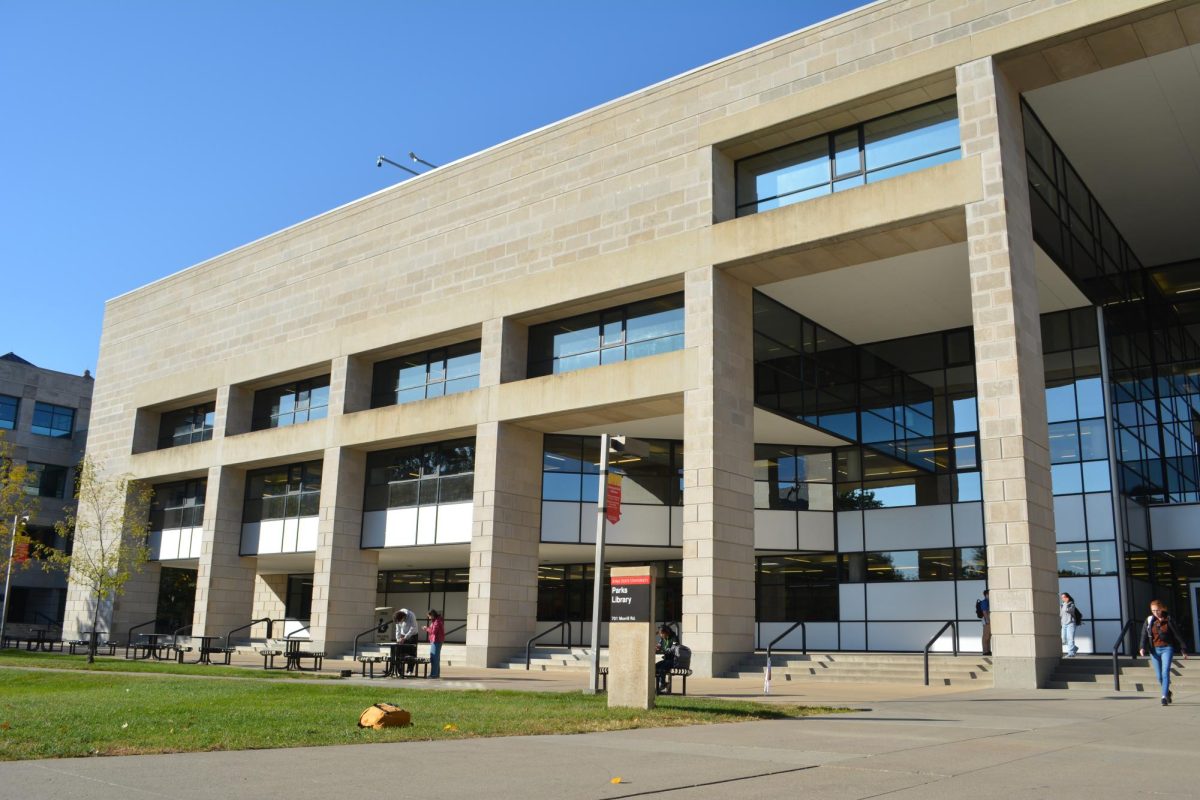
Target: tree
16	503
108	529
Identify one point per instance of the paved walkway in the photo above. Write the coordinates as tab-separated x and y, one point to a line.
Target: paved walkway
905	743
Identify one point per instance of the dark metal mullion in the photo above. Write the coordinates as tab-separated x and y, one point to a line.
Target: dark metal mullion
907	160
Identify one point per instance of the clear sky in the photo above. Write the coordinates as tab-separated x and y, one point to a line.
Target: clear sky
140	138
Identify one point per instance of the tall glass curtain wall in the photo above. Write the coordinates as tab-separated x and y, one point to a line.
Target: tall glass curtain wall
1080	472
872	151
909	402
1151	357
615	334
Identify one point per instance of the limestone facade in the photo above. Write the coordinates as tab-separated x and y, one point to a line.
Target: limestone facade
627	201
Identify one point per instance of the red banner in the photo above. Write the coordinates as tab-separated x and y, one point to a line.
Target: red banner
21	552
612	499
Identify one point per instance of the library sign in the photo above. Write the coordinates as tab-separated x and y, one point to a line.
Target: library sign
630	599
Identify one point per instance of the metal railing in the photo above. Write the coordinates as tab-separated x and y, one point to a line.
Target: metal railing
250	624
129	645
1115	650
378	628
954	628
529	645
803	639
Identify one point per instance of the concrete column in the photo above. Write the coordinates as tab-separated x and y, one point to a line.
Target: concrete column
235	406
344	575
349	385
1017	499
504	352
718	482
224	578
505	533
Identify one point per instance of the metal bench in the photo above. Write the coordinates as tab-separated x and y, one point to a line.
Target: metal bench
102	648
414	662
675	672
368	663
269	653
295	657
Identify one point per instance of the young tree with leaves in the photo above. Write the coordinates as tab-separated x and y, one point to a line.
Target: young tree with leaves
108	527
16	505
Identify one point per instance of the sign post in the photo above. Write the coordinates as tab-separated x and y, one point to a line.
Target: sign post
631	637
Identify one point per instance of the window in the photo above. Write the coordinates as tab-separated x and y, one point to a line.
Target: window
178	505
788	477
8	412
571	467
52	420
942	564
421	475
607	337
873	151
298	604
46	480
291	403
798	587
283	492
187	425
433	373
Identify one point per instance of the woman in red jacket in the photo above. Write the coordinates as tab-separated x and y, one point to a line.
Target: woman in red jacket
437	634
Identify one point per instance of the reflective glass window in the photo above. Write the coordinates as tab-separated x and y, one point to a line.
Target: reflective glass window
431	373
52	420
45	480
282	492
427	474
186	425
8	412
291	403
885	147
638	330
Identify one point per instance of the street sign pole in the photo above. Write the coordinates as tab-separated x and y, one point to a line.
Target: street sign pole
598	577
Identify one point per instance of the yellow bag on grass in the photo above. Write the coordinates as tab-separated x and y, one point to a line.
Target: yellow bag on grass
384	715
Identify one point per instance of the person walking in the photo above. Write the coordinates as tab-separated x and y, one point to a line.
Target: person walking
1066	616
983	610
437	634
1160	635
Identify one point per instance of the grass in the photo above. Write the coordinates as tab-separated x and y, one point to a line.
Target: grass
24	658
47	714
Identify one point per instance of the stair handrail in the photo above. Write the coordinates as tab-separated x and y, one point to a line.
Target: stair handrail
129	635
250	624
1115	648
379	627
803	639
529	644
928	645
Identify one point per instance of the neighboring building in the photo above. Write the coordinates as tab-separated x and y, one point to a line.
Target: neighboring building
901	302
44	417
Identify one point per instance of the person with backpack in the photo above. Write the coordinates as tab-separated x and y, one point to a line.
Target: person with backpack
983	611
667	646
1069	617
1162	638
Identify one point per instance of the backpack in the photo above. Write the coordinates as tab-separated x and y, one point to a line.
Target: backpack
384	715
1077	615
979	609
683	657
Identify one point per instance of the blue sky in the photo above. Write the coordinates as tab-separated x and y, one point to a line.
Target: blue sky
140	138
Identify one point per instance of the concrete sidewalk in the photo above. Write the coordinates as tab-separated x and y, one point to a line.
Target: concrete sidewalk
905	743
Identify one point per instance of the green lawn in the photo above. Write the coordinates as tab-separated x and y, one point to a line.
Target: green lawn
24	658
45	714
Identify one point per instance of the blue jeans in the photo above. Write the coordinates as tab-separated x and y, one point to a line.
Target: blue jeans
1162	666
1068	638
435	652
